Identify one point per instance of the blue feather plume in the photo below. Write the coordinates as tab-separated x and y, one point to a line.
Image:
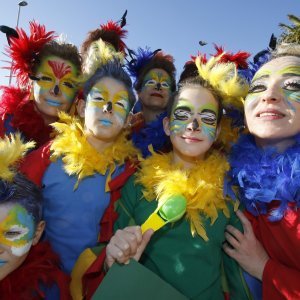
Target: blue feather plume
264	175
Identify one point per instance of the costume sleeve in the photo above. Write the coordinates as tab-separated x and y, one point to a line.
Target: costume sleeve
36	163
237	286
280	282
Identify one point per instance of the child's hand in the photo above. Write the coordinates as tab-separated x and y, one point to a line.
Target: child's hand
125	244
245	248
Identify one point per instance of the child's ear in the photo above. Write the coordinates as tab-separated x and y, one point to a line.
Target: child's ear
166	124
38	232
81	107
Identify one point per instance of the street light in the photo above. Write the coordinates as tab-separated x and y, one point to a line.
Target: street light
20	4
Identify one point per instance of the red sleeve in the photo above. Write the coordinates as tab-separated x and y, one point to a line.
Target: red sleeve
280	282
110	216
35	164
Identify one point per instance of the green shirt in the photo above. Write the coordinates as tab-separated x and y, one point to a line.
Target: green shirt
189	264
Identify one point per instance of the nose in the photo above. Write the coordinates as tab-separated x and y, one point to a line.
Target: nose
107	108
194	126
272	95
56	90
158	86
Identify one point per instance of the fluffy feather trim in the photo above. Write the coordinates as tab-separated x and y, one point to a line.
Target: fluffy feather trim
80	158
24	50
12	150
263	175
202	186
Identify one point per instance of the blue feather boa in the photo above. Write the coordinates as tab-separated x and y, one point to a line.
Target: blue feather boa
151	134
263	175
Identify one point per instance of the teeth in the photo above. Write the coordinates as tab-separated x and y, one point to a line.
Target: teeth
265	114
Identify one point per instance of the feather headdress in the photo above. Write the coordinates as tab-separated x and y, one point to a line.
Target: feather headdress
12	149
111	32
143	60
25	49
224	78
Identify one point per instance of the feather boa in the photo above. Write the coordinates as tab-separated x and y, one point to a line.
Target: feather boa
12	149
41	267
264	176
202	186
151	134
80	158
15	103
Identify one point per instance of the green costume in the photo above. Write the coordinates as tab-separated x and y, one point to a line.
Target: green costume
190	264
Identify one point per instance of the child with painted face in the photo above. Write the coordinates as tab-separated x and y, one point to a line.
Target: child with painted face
28	268
47	76
87	164
265	169
154	74
186	251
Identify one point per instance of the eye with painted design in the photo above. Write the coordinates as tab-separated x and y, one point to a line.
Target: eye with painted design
69	85
165	85
208	117
257	87
15	233
292	85
150	82
182	113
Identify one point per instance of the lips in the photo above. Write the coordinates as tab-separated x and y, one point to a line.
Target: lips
52	102
106	122
157	95
191	139
270	114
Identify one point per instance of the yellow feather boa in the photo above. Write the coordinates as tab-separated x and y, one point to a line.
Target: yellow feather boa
12	150
202	186
80	158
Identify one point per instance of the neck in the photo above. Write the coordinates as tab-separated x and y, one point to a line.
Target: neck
150	115
280	144
186	161
99	145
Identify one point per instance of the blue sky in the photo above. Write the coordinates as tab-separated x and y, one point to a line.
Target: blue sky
175	26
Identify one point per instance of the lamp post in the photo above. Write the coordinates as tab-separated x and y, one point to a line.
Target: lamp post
20	4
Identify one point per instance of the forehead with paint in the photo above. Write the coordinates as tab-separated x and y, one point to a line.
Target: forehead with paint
17	228
272	107
57	74
196	105
157	77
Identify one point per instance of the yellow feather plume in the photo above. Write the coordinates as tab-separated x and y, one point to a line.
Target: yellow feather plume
224	78
202	186
99	54
12	149
80	158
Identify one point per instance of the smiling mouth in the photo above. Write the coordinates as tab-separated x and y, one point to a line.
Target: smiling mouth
105	122
270	115
157	95
54	103
190	139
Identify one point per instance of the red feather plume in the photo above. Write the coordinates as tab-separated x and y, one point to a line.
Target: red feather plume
114	27
25	50
239	58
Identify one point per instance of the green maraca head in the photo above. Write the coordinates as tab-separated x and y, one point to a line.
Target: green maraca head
173	209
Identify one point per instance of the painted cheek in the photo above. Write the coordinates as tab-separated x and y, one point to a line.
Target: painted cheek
209	131
68	93
120	113
177	126
39	90
95	105
292	97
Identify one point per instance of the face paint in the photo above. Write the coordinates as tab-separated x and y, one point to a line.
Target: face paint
156	78
272	107
99	98
184	113
17	230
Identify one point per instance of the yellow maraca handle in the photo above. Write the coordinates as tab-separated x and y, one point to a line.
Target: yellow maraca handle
153	222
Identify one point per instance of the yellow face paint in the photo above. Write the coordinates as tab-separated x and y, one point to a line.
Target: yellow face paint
17	230
155	77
